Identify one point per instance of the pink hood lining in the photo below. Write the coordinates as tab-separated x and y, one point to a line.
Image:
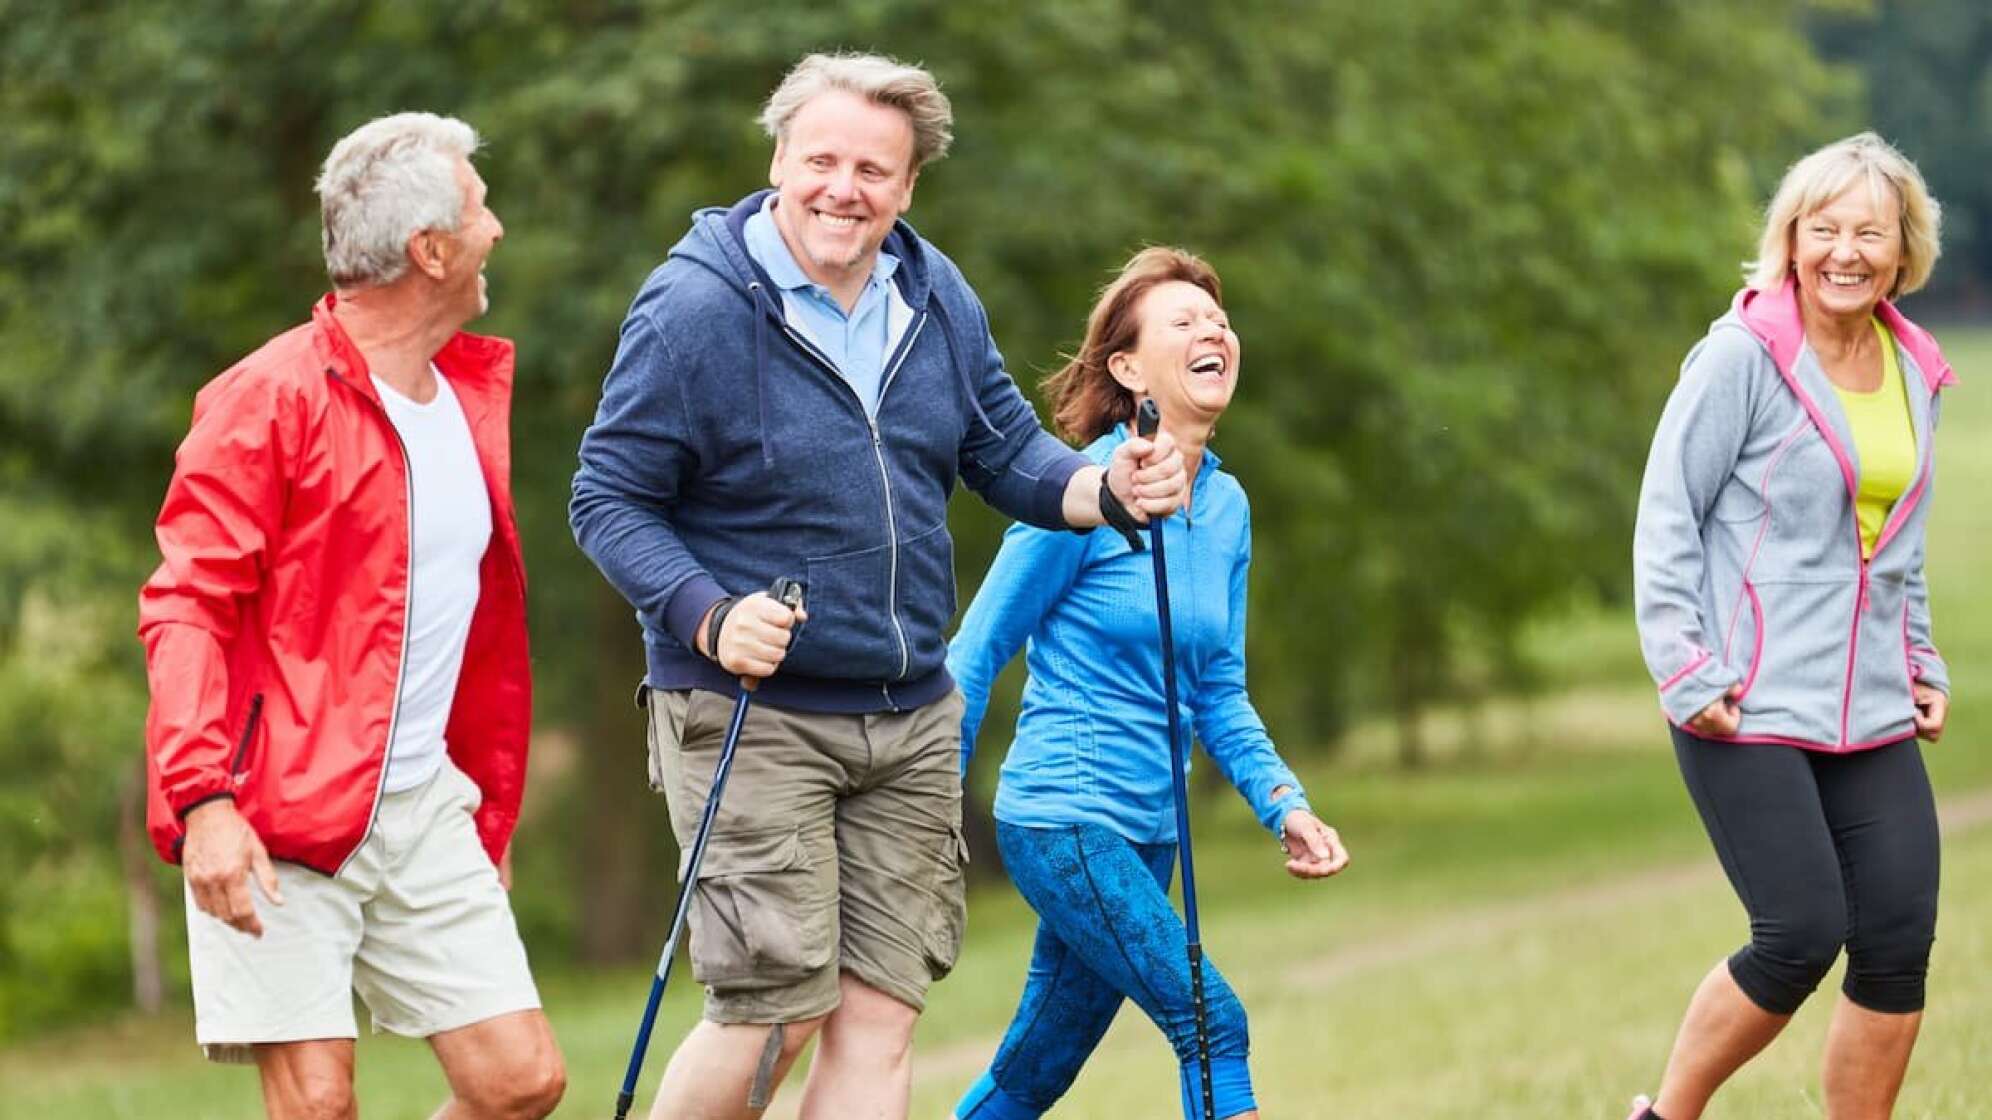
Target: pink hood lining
1773	317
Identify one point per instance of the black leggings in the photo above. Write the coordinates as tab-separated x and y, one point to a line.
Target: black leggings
1824	850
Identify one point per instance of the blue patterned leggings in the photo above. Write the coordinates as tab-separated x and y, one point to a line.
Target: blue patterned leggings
1106	932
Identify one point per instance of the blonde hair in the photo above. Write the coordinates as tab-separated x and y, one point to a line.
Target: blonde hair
876	78
1818	179
1085	399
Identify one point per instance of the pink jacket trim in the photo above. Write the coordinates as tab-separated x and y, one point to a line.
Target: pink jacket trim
1937	372
1773	317
1757	652
1700	660
1802	744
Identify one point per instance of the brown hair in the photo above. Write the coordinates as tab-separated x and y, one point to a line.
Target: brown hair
1085	399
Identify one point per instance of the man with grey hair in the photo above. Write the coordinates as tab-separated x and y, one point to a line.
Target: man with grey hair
336	647
797	389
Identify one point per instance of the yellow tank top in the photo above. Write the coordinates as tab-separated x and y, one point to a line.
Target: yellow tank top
1884	440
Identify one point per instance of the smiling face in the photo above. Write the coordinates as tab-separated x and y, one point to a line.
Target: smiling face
465	251
844	173
1847	253
1186	355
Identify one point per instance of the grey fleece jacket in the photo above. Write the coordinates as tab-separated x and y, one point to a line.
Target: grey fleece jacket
1747	557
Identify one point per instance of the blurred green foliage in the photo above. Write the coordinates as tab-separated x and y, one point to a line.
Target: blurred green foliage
1465	243
1928	65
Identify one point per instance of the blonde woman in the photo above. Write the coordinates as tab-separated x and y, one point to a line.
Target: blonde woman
1778	579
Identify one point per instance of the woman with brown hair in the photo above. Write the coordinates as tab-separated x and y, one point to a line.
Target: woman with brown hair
1084	817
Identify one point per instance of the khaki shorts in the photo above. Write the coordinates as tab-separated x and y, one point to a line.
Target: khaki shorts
837	848
416	923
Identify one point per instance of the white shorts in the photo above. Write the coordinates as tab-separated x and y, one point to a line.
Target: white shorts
416	923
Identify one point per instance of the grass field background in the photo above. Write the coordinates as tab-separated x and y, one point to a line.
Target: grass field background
1517	937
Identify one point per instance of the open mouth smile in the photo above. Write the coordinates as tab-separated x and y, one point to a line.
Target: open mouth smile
1210	365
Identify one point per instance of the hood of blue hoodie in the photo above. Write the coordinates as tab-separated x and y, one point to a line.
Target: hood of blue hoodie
717	241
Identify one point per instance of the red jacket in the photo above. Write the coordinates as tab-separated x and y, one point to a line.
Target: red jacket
275	626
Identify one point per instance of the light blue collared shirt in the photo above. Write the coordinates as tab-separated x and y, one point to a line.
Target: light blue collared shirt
856	343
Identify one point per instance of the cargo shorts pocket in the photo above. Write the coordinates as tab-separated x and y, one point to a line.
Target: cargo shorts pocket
949	917
664	729
760	916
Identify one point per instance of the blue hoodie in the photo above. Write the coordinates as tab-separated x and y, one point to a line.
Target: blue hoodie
727	452
1092	741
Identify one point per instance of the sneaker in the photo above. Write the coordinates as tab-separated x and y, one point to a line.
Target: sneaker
1640	1106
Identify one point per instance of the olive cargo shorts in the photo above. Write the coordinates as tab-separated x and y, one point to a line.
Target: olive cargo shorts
837	848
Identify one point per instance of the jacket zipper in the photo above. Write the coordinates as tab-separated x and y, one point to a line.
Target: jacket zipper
248	734
1889	524
407	619
1896	517
1854	638
884	478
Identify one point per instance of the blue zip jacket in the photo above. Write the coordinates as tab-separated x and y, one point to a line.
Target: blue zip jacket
727	451
1092	742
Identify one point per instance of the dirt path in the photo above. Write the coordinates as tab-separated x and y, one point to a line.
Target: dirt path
961	1061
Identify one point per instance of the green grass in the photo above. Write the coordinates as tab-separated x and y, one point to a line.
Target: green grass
1517	938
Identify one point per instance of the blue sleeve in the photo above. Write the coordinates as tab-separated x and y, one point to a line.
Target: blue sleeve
1226	723
1033	570
1011	461
635	458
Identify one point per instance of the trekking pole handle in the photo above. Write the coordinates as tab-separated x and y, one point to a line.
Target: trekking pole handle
788	591
1116	515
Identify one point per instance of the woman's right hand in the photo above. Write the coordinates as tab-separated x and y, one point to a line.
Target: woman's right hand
1722	717
1314	851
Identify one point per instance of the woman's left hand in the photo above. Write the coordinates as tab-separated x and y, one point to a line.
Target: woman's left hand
1932	708
1314	851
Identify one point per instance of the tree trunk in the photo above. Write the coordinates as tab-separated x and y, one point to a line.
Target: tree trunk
141	900
620	880
1410	729
1411	674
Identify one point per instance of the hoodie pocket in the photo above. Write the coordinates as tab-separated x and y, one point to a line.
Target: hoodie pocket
1884	702
927	596
852	634
1750	637
1801	673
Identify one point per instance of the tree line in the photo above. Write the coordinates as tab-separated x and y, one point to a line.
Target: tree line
1465	244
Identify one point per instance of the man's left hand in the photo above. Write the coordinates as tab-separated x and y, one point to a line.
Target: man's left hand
1147	476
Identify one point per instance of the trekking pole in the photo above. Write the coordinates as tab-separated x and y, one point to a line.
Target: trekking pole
1148	421
787	592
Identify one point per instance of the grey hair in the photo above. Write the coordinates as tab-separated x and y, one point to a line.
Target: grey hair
1818	179
388	180
876	78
